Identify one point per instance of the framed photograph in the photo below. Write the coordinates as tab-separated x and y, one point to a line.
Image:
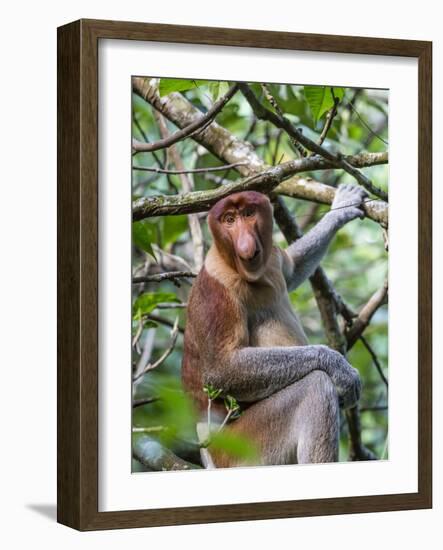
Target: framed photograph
244	275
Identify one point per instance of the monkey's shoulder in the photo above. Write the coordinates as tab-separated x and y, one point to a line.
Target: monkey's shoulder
214	313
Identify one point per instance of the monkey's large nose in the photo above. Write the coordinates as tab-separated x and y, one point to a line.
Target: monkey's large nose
246	246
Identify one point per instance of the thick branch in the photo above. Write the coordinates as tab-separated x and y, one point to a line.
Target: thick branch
358	450
266	181
152	454
166	276
314	191
139	146
363	319
199	201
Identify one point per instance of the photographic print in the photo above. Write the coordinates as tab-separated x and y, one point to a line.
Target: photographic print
260	265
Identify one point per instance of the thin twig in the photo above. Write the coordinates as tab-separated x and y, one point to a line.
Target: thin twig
366	125
309	216
171	305
375	360
170	262
147	348
329	119
277	146
297	146
189	170
164	321
144	401
149	429
225	420
138	333
164	356
139	146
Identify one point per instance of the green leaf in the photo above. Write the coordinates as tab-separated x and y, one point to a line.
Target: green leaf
218	89
169	85
321	100
143	235
150	324
214	88
173	227
234	445
177	413
148	301
211	391
231	403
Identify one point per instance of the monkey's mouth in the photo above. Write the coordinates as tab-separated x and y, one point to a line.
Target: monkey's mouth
254	262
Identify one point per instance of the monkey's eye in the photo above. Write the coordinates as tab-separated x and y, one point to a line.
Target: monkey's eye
249	212
229	219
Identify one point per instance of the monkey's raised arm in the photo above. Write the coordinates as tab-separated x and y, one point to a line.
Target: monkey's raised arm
302	258
253	373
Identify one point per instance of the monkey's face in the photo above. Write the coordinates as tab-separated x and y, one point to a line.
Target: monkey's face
241	226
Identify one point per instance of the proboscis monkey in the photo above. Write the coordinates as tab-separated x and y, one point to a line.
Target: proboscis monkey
243	337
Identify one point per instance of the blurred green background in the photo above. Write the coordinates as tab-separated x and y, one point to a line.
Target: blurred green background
356	262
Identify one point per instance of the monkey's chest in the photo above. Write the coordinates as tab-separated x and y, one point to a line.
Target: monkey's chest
275	327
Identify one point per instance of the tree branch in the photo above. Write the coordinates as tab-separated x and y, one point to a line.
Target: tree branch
208	117
199	201
188	186
329	119
164	356
281	122
358	450
151	453
145	401
375	360
355	330
159	277
189	170
164	321
265	181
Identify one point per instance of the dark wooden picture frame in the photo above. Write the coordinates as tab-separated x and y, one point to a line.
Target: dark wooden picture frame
78	244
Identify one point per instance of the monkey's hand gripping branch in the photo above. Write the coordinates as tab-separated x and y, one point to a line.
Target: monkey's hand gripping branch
304	256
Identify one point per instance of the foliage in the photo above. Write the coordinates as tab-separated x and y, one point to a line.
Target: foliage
356	262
